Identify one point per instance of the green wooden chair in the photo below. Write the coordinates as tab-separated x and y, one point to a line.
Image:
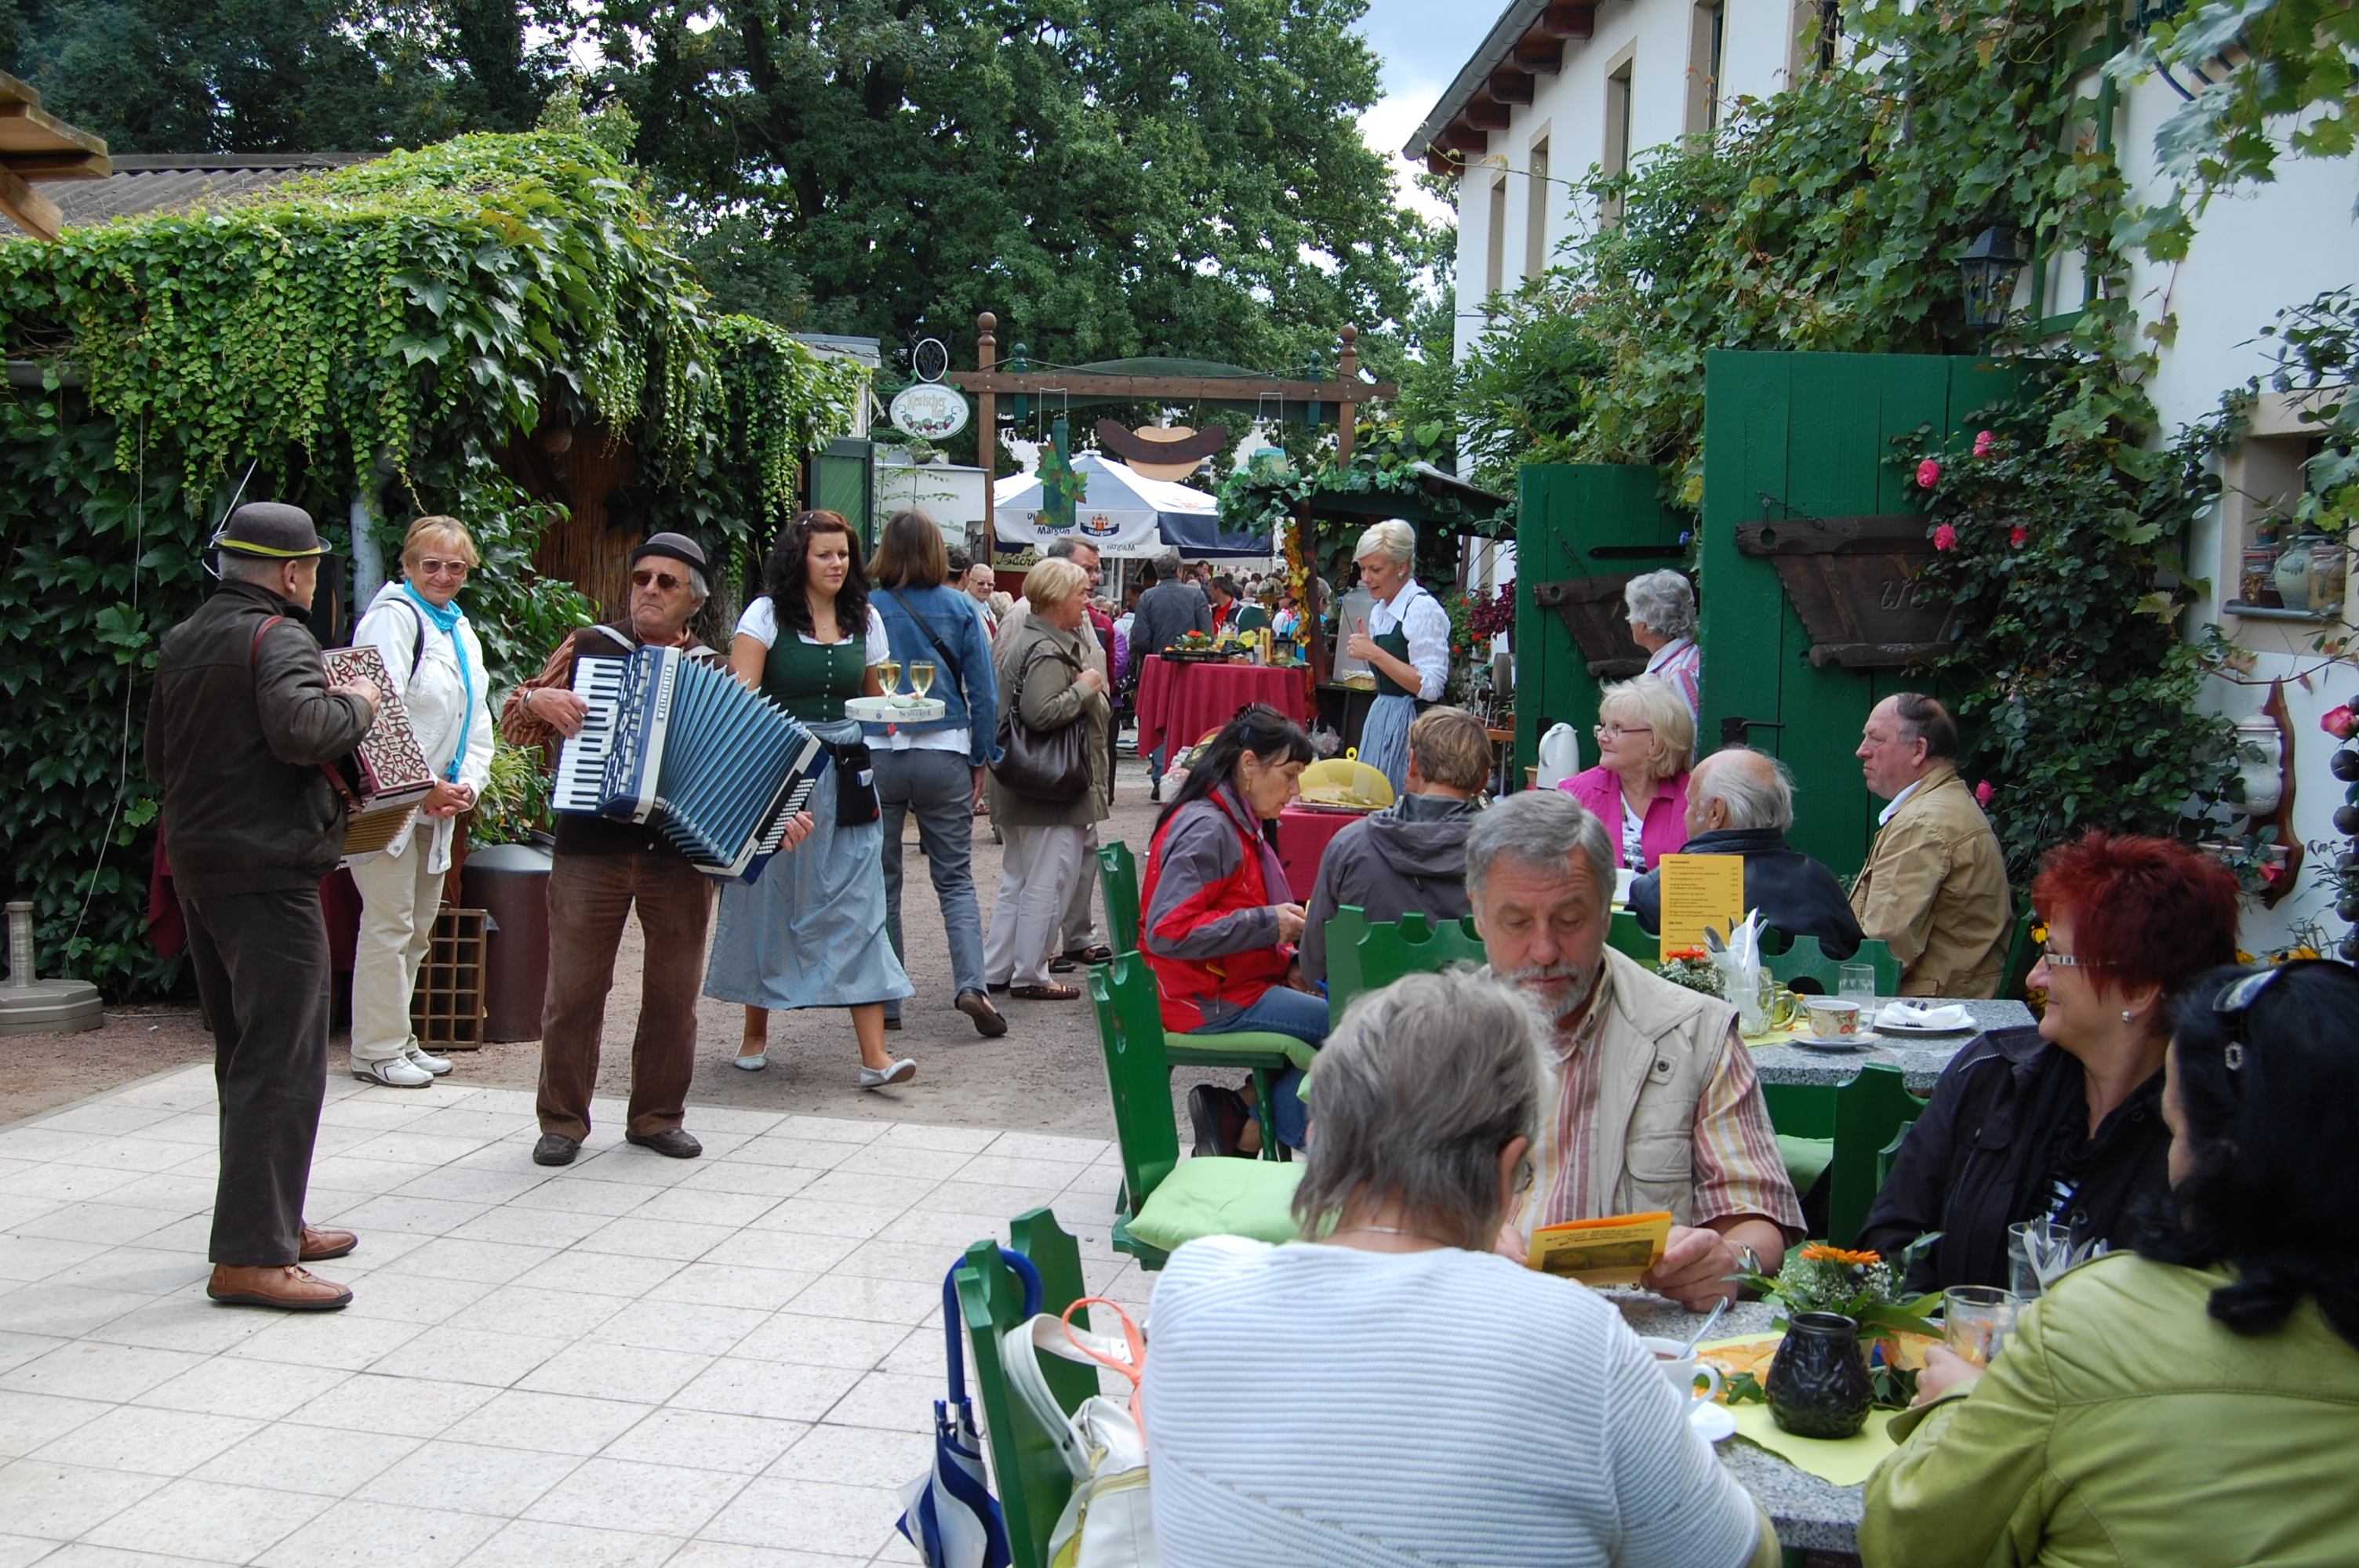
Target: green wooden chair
2022	953
1167	1200
1627	938
1365	955
1848	1131
1032	1481
1263	1055
1803	960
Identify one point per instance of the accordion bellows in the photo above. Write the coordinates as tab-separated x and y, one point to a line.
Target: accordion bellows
716	769
386	775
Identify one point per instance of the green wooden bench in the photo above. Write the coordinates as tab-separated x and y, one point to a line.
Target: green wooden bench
1627	938
1365	955
1167	1200
1850	1131
1259	1053
1804	960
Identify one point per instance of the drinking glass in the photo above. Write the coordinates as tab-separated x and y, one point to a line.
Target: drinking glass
1976	1320
888	675
1858	984
921	675
2030	1243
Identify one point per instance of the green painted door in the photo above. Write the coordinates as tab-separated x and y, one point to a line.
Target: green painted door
842	480
1576	523
1797	435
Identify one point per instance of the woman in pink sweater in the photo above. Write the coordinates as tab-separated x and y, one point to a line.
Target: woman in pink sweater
1646	743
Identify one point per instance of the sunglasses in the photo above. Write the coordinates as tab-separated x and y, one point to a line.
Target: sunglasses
2237	997
431	567
663	580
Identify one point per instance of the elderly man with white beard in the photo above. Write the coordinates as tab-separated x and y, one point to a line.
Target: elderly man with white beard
1655	1105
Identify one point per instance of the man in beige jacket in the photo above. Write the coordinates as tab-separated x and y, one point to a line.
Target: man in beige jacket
1654	1104
1934	888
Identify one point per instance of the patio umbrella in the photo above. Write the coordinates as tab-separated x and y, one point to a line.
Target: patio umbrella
949	1513
1123	514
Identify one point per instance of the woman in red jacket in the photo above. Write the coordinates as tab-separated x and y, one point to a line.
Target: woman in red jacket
1220	927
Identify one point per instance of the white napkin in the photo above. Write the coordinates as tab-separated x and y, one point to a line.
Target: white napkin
1916	1015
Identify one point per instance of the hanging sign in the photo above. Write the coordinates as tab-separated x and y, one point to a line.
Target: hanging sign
930	410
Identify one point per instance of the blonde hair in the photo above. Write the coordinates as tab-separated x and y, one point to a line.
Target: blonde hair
450	530
1451	748
1053	581
1655	703
1391	537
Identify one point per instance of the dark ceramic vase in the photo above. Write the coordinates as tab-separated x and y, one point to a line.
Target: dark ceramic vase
1818	1383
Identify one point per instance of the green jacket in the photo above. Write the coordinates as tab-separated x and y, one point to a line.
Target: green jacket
2124	1425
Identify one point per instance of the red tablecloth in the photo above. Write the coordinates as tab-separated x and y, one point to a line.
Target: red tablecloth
1179	703
1303	840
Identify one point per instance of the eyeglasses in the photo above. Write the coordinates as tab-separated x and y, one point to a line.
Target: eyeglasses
1615	731
2067	961
431	567
663	580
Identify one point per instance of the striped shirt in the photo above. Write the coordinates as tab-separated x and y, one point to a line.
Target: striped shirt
1737	1168
1329	1408
1680	662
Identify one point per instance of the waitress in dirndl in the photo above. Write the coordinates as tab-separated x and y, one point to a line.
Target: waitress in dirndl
1404	639
809	932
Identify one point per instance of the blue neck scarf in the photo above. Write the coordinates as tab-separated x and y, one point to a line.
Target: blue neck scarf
445	619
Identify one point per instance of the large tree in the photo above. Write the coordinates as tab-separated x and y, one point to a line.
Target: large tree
1112	178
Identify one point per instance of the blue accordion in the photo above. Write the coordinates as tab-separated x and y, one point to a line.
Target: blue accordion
676	744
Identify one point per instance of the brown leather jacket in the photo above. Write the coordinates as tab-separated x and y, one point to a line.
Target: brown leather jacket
236	731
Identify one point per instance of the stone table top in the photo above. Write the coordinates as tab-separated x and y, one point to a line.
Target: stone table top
1920	1057
1810	1513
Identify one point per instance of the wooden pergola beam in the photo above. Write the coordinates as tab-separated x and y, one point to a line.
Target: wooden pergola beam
1179	388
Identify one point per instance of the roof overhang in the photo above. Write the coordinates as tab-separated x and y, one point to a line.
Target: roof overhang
1526	43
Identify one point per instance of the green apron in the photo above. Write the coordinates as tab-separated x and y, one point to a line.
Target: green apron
1396	643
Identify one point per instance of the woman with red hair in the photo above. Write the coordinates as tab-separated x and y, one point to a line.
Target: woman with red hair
2063	1122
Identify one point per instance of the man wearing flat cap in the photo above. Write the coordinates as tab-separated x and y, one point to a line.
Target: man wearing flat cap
241	720
602	869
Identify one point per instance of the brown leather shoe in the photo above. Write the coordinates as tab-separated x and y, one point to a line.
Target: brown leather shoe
318	1246
290	1287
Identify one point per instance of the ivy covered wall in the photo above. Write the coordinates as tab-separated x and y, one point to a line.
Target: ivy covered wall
388	330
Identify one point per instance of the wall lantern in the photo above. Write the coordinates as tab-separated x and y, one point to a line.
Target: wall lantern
1990	266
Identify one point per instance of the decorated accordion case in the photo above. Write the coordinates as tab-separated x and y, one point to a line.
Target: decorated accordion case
386	775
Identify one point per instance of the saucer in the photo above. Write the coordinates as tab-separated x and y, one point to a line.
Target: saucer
1865	1039
1712	1422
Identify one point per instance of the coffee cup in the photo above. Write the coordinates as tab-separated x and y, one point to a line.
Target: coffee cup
1833	1018
1682	1369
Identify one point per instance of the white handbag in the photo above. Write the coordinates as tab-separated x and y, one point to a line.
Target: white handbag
1109	1521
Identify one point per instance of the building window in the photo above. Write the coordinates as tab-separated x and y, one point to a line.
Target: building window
1495	265
1706	32
1618	79
1535	211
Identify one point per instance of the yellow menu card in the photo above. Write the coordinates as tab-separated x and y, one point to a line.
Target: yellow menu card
1699	891
1611	1252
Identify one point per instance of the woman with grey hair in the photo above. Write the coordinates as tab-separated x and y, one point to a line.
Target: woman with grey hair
1662	611
1417	1397
1405	638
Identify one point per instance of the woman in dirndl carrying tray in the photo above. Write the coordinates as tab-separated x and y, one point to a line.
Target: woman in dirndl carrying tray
811	931
1405	640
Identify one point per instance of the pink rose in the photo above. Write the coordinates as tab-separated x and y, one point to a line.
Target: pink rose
1983	792
1985	443
1945	537
2017	535
2339	722
1928	474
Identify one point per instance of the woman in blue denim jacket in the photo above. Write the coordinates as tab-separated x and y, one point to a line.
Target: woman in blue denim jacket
935	769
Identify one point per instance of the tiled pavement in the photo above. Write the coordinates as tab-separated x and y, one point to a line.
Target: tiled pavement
725	1362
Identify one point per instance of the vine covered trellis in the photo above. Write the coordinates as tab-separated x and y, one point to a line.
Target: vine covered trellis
377	341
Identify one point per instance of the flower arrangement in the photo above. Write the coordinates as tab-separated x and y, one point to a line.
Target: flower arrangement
1860	1285
1693	968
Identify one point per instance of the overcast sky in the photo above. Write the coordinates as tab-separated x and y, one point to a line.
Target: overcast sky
1422	44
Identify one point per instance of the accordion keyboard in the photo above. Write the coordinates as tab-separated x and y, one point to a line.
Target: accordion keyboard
579	785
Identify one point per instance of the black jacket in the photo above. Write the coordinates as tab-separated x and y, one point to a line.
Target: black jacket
1793	893
1412	855
237	732
1167	612
1977	1162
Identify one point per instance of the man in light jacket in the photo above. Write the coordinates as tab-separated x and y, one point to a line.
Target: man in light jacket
1934	888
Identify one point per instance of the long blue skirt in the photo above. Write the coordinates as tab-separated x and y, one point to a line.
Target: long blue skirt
811	931
1384	738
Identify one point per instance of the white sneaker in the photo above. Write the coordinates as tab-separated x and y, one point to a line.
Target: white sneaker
420	1057
750	1063
394	1073
900	1072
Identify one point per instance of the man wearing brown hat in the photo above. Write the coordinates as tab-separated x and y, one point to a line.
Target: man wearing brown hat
602	869
241	720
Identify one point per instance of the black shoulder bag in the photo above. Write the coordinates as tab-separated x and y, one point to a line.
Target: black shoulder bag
1044	765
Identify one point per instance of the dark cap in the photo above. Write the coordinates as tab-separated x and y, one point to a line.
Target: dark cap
678	547
270	531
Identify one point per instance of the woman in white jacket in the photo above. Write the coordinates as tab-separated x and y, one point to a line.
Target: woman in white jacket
437	665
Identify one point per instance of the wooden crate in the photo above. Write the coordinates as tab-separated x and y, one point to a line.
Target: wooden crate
446	1010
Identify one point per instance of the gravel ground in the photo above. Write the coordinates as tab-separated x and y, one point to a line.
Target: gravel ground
1045	1075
